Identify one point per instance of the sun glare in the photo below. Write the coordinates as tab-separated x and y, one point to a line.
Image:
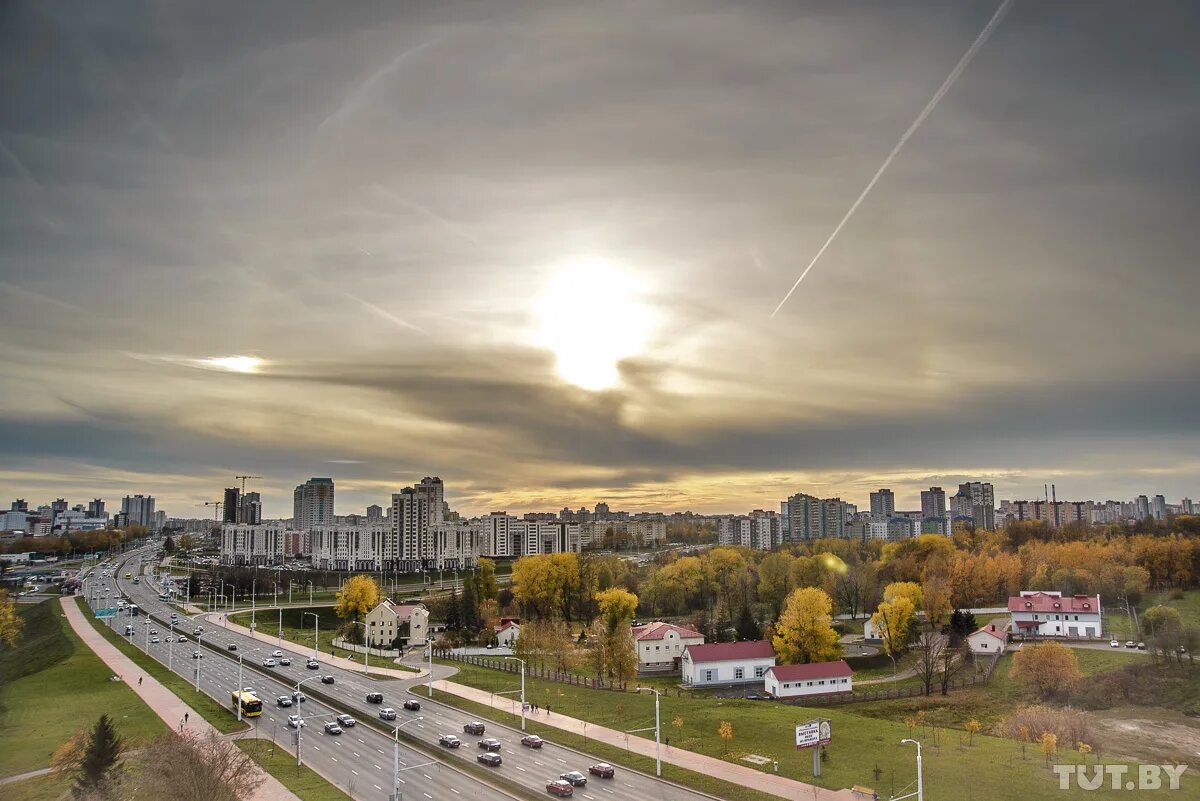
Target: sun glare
590	315
233	364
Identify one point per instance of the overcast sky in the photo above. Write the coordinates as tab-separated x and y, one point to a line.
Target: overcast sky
533	248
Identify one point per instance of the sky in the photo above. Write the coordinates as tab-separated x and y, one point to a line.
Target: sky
534	249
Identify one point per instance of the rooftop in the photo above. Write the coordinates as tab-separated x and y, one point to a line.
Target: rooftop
813	670
724	651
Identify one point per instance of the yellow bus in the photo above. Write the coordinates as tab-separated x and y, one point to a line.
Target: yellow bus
251	706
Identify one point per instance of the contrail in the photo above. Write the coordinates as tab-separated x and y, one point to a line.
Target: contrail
979	42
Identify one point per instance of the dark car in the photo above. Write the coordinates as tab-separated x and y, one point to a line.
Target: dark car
312	664
412	705
374	698
449	740
489	744
574	777
490	759
603	770
232	646
756	697
328	679
474	727
559	787
532	741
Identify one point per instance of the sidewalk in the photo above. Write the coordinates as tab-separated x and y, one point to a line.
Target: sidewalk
219	619
165	703
710	766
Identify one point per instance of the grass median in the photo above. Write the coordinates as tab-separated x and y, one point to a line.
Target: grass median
208	708
303	781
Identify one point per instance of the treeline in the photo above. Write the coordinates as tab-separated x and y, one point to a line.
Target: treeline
100	540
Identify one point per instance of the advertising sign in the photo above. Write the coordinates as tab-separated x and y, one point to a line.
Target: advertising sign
813	733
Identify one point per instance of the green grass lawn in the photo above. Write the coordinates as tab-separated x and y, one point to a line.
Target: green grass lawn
215	713
302	781
39	788
1118	622
990	769
298	630
52	686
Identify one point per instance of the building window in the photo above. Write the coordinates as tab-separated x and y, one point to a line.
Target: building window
738	673
710	675
759	671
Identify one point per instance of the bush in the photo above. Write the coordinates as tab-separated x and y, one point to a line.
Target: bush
1069	725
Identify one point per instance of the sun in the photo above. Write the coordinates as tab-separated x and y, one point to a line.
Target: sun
233	364
590	314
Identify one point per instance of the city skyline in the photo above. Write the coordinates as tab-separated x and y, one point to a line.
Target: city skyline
535	251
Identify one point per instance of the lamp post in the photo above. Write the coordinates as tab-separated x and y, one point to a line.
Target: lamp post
522	661
920	793
657	730
171	649
366	645
396	755
300	722
232	599
254	600
310	589
200	658
241	654
316	631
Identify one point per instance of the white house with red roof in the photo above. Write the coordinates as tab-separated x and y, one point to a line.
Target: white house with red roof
388	620
816	678
507	631
991	639
660	645
726	663
1051	614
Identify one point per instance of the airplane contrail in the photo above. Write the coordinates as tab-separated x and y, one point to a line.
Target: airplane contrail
979	42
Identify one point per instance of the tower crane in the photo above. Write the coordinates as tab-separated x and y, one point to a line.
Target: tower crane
243	480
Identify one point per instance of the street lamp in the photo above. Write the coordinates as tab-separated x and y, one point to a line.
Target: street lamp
310	589
396	755
200	658
241	654
233	598
657	730
920	793
522	661
316	631
300	721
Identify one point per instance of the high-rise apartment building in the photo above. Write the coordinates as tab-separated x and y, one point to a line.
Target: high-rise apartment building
251	509
138	510
883	503
231	506
312	504
1141	507
414	510
374	513
811	518
933	511
976	501
602	510
95	508
1158	508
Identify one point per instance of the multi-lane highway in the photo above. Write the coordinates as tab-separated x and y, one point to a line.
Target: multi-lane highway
361	759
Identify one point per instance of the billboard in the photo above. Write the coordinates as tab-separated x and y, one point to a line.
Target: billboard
813	733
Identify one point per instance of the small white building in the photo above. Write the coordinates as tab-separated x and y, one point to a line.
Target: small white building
387	620
506	632
991	639
817	678
660	645
726	663
1050	614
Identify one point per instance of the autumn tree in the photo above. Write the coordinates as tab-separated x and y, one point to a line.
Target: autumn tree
1048	669
973	727
935	598
547	583
929	649
485	575
725	730
10	622
200	767
617	652
774	580
805	632
892	620
359	595
1049	743
905	589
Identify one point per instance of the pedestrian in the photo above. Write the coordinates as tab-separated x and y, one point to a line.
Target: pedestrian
547	709
139	681
668	742
185	716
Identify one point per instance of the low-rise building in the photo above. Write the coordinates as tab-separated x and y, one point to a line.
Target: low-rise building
726	663
991	639
660	645
388	621
1050	614
817	678
506	632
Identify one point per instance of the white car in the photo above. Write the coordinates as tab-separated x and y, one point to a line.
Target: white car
182	638
284	700
268	663
170	638
294	721
285	661
154	639
387	713
277	654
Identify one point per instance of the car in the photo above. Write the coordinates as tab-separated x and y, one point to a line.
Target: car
332	728
412	705
449	741
374	698
169	638
1130	644
129	630
755	697
196	632
576	778
284	700
489	744
1141	646
312	664
153	639
248	690
1114	644
285	662
532	741
559	787
490	759
277	653
197	655
474	727
294	721
346	721
268	662
490	646
327	679
231	647
153	632
603	770
387	713
299	697
181	638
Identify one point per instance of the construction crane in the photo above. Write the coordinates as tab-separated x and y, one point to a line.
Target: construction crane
243	479
216	510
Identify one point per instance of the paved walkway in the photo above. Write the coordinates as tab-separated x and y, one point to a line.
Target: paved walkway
20	777
165	703
741	775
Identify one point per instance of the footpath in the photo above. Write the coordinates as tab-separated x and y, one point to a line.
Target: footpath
168	706
700	763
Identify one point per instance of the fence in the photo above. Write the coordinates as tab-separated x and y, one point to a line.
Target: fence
538	672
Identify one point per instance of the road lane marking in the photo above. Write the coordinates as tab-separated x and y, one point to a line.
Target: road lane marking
521	769
377	767
355	772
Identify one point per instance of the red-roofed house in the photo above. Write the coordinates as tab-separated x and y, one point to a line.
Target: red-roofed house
660	645
726	663
507	631
1050	614
818	678
991	639
388	620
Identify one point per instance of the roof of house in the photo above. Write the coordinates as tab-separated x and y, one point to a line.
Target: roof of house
658	630
724	651
992	629
1041	602
814	670
403	611
505	626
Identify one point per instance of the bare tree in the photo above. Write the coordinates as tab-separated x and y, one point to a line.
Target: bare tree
200	767
953	660
928	651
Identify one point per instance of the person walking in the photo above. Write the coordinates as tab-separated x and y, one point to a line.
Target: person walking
139	681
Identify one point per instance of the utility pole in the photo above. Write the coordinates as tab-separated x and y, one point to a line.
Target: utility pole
515	659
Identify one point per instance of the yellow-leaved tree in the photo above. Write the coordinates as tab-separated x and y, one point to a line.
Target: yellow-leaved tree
10	622
805	632
892	621
905	589
1048	668
617	653
359	595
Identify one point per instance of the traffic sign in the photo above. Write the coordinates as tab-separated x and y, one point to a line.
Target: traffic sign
109	612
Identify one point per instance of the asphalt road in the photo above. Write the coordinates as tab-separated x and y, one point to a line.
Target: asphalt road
362	756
